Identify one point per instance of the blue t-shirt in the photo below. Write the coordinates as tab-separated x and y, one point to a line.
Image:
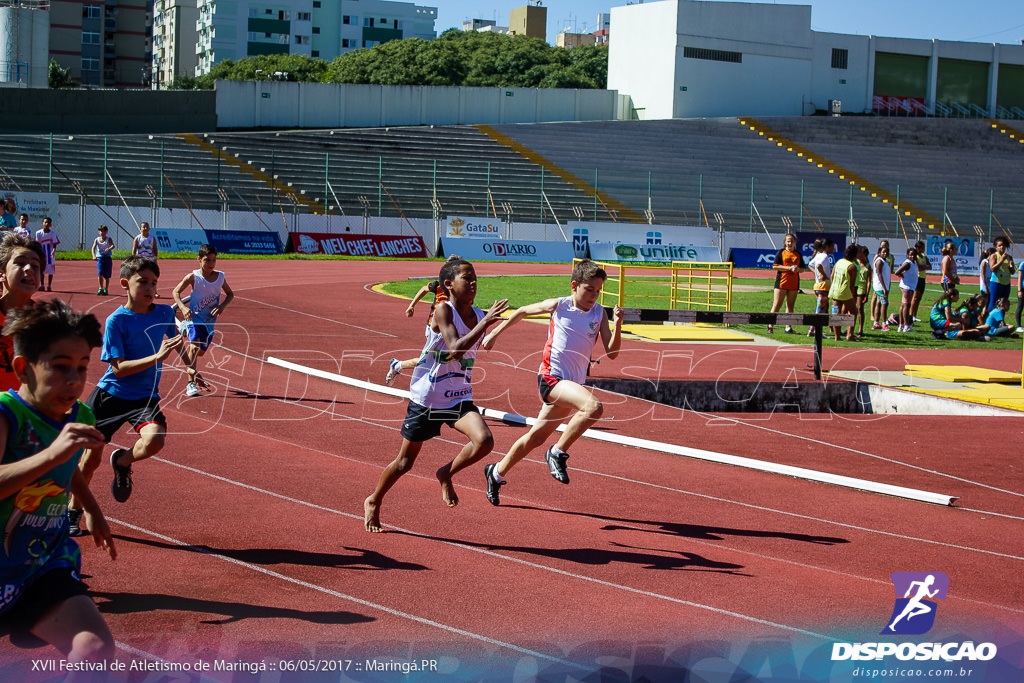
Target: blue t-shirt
996	319
8	220
131	336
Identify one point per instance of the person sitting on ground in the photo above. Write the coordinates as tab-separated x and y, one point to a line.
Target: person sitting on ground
996	320
945	323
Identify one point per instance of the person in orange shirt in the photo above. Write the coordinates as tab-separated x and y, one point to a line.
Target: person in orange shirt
789	263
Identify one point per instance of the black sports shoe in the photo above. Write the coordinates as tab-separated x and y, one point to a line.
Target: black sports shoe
493	487
556	465
74	520
121	487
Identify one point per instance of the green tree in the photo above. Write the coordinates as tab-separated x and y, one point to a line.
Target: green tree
592	61
59	76
186	82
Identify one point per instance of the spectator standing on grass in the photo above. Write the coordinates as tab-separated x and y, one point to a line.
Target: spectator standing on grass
1001	264
102	248
924	264
985	271
881	280
842	290
1020	294
789	263
145	245
907	273
821	265
863	285
947	266
21	271
49	241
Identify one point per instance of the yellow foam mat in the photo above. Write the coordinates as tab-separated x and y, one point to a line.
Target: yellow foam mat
1004	396
685	333
962	373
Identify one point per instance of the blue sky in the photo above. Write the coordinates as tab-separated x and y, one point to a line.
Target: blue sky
983	21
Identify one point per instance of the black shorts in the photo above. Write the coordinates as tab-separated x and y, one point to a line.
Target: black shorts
40	596
920	284
422	423
546	384
112	412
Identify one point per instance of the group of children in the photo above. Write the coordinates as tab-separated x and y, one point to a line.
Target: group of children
51	443
442	393
852	281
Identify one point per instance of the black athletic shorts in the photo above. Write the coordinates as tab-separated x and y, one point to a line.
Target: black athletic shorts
112	412
40	596
422	423
546	384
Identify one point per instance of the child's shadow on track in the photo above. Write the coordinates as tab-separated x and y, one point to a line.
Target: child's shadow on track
241	393
364	560
697	531
647	558
131	603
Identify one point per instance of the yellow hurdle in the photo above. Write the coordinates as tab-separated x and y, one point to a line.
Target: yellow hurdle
679	285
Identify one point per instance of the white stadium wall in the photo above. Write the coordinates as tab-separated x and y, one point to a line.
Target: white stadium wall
272	104
850	86
642	59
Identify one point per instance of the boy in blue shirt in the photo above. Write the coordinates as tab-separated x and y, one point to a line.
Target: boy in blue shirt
138	337
43	429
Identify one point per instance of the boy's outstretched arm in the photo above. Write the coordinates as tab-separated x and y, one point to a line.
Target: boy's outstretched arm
458	346
612	339
411	308
539	308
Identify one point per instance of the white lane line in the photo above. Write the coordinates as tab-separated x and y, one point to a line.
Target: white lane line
647	444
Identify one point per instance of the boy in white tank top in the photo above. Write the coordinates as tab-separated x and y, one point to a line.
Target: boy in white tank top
576	323
201	312
442	393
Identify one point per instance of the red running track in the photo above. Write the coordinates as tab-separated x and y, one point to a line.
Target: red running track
243	543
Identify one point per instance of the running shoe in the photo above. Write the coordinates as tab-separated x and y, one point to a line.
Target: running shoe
1019	329
885	327
556	465
771	329
191	389
74	522
876	326
121	487
790	330
99	292
394	371
492	485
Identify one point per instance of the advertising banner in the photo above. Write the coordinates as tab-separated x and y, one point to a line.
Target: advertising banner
244	242
36	204
653	253
391	246
178	240
964	254
634	233
509	250
472	226
752	258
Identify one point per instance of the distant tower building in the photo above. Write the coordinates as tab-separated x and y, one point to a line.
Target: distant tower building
315	28
531	20
24	45
604	24
574	39
174	40
477	24
104	43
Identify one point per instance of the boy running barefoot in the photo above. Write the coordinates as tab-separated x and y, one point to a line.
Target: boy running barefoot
441	390
576	322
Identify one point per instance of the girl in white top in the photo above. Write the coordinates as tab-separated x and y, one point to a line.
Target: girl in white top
441	390
102	250
907	272
881	278
576	323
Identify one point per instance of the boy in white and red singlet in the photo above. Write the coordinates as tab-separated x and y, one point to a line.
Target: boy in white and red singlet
576	323
441	389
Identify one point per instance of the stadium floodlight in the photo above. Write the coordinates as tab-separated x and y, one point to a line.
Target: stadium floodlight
150	191
578	210
363	201
222	194
787	221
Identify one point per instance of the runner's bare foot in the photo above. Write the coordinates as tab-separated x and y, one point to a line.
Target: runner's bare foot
451	499
371	514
